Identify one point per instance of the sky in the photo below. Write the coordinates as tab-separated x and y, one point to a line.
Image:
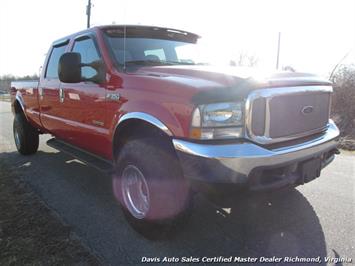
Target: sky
315	35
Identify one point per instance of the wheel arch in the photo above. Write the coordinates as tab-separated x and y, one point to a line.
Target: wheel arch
135	125
18	106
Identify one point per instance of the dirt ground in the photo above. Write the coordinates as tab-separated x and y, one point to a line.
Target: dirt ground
30	234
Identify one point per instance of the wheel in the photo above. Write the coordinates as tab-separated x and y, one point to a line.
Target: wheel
150	187
25	135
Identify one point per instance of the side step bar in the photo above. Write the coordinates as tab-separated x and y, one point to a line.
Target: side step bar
95	161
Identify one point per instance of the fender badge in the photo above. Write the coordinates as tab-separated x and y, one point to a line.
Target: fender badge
306	110
113	96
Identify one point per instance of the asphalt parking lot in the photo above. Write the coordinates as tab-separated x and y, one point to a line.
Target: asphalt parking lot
314	220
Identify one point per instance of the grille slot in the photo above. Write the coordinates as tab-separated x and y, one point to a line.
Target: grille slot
286	117
258	116
275	115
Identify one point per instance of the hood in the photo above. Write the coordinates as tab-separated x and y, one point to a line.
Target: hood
225	82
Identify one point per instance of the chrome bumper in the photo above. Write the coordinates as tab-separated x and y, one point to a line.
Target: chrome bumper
233	163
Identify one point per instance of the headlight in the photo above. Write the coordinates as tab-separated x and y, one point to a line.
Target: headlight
217	121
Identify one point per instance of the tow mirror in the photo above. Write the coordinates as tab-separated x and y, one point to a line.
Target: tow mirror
69	68
100	69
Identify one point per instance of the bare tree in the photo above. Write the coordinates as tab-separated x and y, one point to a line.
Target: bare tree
343	107
288	68
5	80
245	59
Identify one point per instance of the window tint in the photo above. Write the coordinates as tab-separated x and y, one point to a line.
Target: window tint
185	52
89	54
52	67
168	52
159	54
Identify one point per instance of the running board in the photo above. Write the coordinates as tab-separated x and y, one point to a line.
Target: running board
95	161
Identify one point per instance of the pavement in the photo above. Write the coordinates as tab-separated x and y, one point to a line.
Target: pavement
316	219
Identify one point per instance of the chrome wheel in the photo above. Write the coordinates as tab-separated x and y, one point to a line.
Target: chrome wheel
17	139
135	192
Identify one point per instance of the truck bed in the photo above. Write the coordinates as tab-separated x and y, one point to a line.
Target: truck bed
25	84
26	93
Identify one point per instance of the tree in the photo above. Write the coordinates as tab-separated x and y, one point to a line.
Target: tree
5	80
343	107
245	59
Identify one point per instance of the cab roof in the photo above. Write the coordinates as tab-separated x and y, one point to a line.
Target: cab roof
136	31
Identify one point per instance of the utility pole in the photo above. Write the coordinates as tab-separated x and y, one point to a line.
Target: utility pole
278	51
88	13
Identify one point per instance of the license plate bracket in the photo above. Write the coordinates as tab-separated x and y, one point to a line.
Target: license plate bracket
310	169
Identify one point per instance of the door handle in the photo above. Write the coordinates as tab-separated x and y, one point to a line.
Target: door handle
40	93
61	95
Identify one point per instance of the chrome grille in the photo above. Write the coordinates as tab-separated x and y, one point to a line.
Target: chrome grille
280	114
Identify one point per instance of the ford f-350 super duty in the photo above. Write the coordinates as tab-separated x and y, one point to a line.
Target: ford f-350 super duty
138	100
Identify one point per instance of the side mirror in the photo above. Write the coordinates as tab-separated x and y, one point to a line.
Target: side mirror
69	68
100	69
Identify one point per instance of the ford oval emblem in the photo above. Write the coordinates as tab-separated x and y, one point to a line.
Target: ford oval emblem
306	110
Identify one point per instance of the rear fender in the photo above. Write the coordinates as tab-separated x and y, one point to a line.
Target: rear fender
19	100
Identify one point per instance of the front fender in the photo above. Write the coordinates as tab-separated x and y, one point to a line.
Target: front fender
147	118
156	114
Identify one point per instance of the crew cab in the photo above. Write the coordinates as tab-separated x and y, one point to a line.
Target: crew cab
140	102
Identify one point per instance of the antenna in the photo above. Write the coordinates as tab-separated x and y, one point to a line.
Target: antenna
124	47
278	51
124	34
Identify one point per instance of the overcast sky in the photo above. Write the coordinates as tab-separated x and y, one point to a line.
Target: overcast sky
315	34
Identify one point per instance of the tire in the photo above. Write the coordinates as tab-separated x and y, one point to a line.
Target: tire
25	135
149	184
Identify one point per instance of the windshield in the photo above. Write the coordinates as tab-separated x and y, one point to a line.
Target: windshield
141	51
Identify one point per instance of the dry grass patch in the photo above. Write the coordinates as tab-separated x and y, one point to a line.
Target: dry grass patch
30	234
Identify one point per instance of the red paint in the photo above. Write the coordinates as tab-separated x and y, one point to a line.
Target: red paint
164	92
72	120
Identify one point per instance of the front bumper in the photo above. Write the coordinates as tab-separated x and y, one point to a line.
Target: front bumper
253	166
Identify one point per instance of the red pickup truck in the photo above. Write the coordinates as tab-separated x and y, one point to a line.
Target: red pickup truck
139	100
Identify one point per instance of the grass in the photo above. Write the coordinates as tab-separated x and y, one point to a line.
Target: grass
347	143
5	97
30	234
